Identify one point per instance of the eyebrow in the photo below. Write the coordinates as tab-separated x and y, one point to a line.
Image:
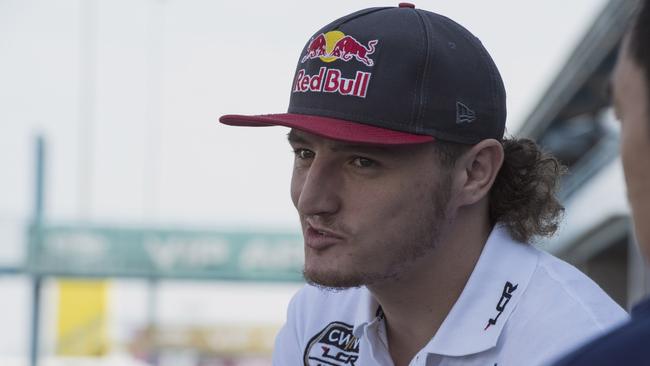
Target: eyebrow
295	137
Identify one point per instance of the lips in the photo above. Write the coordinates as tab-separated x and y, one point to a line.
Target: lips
320	238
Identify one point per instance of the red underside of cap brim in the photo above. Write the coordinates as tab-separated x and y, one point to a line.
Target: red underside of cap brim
336	129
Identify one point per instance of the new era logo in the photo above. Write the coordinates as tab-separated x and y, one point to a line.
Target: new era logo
464	114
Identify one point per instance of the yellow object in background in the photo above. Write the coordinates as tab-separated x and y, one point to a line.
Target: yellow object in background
82	318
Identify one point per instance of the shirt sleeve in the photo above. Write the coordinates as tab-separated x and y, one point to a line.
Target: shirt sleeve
288	343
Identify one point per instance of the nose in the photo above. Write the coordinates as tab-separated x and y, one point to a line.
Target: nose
316	190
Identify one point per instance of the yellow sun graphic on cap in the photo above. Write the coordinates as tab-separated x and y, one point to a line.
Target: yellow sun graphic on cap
330	41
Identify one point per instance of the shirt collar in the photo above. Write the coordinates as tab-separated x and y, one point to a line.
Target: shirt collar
492	292
368	311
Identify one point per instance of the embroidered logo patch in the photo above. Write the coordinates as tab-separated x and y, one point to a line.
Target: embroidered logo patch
330	47
335	45
335	345
332	81
464	114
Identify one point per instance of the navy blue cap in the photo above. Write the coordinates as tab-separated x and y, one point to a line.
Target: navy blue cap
393	75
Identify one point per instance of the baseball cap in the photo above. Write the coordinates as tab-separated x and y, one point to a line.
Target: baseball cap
393	75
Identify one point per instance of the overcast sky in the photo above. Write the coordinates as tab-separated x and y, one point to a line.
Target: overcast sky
127	94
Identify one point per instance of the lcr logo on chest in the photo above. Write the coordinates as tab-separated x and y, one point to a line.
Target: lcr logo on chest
335	345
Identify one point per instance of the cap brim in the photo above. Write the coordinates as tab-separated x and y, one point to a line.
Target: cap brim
332	128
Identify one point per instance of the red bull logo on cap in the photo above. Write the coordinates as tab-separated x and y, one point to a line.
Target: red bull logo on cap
332	81
329	47
335	45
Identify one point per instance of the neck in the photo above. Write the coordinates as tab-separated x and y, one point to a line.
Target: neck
416	304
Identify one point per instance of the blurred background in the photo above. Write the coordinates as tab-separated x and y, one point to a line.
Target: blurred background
136	230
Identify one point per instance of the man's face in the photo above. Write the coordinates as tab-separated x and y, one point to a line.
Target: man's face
630	94
367	212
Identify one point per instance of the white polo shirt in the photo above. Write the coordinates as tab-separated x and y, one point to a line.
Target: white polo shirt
520	307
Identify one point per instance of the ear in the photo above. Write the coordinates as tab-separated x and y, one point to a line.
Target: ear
480	167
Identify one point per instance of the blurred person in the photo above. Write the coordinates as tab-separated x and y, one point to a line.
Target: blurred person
416	212
630	343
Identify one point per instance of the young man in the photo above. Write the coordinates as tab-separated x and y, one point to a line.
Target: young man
629	344
415	211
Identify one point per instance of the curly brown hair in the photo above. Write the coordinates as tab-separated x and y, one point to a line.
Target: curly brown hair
523	196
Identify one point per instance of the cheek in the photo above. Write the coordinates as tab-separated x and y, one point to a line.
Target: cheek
635	127
395	210
635	149
297	180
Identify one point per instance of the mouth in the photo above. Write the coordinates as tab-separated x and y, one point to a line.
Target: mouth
319	238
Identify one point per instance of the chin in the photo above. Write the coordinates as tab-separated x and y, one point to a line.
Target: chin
336	280
332	279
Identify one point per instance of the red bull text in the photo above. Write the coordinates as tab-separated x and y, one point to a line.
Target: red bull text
331	81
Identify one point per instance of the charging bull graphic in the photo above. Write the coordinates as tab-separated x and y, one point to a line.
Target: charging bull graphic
335	45
316	48
348	47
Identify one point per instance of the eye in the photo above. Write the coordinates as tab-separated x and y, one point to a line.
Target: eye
362	162
303	154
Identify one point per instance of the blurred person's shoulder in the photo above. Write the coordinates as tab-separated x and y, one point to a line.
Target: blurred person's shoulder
627	344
